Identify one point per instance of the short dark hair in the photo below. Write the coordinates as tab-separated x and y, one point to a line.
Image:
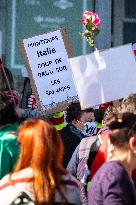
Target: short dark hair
74	112
99	114
7	110
122	127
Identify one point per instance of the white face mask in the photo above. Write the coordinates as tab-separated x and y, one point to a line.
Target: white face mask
90	128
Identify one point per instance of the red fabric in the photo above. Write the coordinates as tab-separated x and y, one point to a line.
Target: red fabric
104	106
134	175
32	102
11	133
101	155
135	52
15	181
57	121
134	48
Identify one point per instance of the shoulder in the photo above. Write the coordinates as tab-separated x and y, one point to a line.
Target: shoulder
18	177
65	130
10	130
109	176
8	138
66	133
111	170
86	143
111	183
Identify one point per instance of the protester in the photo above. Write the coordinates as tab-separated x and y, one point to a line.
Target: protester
9	148
39	172
86	160
72	134
112	183
128	104
77	164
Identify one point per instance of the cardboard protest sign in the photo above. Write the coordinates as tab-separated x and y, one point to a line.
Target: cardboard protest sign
104	76
46	60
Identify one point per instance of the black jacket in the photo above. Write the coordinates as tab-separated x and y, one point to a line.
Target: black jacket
71	138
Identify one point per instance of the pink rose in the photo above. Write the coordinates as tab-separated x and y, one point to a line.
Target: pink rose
88	15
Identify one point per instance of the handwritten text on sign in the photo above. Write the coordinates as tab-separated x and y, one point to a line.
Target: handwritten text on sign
50	68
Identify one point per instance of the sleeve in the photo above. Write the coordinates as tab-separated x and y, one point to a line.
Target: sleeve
9	151
73	163
34	113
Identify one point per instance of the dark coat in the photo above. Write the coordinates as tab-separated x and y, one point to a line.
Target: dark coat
71	138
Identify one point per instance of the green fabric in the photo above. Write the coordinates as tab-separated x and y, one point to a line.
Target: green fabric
9	148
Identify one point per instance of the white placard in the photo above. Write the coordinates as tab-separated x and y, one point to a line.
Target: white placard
104	76
51	73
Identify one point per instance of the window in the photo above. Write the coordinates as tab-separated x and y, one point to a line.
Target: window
124	22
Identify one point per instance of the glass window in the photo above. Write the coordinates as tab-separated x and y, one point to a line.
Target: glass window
130	8
129	32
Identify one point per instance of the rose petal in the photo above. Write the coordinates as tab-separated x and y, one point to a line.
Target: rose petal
83	20
96	21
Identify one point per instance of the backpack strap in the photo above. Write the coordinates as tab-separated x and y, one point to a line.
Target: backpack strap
84	149
85	146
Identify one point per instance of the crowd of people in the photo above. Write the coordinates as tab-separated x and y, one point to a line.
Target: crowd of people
52	160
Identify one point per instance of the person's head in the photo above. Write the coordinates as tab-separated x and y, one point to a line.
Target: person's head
79	117
122	133
7	110
114	107
41	149
3	81
128	104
